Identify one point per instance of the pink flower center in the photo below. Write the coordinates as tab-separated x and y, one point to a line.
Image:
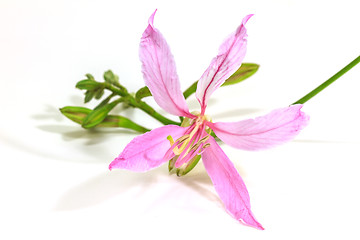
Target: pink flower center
192	143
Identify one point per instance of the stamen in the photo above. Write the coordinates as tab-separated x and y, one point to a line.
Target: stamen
178	150
206	145
191	144
204	139
183	138
169	153
193	138
195	146
189	156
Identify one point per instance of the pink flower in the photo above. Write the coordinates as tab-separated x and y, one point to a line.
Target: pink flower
182	144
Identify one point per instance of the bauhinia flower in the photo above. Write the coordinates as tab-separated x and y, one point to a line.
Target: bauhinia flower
182	145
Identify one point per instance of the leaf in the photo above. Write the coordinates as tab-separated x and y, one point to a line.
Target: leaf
76	114
111	78
88	85
245	71
142	93
98	115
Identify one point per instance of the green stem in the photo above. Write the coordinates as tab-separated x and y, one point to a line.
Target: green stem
149	110
314	92
116	90
140	104
190	90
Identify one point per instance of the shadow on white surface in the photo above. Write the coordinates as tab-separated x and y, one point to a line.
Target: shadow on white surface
104	187
324	141
92	136
118	182
49	112
200	182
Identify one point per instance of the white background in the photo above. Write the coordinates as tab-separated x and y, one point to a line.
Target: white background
54	180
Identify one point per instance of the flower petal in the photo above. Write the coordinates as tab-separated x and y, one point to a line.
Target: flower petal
231	53
159	72
228	184
147	151
279	126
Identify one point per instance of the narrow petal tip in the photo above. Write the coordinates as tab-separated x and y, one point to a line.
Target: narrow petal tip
251	222
114	163
159	71
245	19
231	53
151	19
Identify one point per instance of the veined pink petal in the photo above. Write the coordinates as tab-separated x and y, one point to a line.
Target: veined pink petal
147	151
228	184
279	126
159	72
231	53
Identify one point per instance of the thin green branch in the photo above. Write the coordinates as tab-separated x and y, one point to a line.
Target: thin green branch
190	90
116	90
140	104
149	110
314	92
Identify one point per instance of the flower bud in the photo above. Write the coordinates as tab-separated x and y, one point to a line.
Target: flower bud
245	71
76	114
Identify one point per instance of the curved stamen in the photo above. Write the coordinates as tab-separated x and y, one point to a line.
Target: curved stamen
206	145
188	146
192	149
185	151
174	145
183	138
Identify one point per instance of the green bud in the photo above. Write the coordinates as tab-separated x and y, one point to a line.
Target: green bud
172	163
142	93
111	78
123	122
88	85
105	101
88	96
99	93
245	71
90	77
186	168
98	115
76	114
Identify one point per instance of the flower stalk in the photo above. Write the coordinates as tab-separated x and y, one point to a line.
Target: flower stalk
137	103
325	84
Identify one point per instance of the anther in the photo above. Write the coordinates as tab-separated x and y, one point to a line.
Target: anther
194	147
206	145
204	139
183	138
